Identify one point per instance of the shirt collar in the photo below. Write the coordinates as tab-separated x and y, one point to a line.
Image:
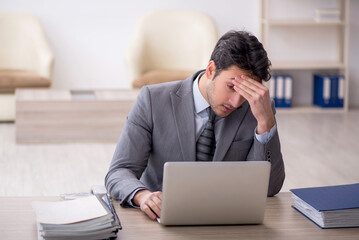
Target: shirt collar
200	102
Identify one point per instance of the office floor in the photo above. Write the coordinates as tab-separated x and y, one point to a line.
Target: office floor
318	149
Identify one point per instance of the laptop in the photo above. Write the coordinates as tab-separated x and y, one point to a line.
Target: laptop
214	193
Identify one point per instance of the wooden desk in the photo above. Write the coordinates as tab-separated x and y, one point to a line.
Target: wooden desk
17	221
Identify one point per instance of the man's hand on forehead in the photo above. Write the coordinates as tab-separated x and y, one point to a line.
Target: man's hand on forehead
258	98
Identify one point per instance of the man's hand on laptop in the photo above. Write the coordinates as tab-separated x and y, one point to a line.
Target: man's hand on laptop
149	202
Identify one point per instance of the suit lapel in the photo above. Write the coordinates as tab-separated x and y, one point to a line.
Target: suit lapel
183	110
229	129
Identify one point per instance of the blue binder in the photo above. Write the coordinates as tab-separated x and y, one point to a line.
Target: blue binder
328	91
283	87
332	199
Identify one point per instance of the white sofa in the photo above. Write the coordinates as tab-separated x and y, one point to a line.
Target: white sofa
26	59
169	45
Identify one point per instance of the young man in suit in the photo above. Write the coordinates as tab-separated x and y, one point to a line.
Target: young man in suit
168	119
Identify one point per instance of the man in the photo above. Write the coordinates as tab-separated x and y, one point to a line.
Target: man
168	120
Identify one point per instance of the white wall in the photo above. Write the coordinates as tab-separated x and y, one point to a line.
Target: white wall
89	37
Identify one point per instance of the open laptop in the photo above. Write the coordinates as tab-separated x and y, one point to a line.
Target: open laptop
214	193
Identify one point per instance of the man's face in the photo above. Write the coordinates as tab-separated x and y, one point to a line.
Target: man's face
220	93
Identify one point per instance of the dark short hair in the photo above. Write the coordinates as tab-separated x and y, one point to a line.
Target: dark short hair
241	49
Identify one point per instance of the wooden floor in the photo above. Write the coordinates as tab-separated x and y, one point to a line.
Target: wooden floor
318	149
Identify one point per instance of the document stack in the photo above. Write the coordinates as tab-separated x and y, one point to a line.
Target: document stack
327	14
87	218
280	89
329	207
328	91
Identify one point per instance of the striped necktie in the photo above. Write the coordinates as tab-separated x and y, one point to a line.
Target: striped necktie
206	144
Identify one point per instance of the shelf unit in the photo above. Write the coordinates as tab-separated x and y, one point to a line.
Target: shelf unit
278	30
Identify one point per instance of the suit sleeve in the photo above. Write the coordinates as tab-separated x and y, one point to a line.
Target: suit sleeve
271	152
132	151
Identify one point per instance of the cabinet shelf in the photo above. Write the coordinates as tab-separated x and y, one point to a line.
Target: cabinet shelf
287	65
300	45
309	109
301	22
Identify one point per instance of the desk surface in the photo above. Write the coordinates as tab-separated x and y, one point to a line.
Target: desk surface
281	221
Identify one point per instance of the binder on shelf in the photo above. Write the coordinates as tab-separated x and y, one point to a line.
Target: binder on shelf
271	87
329	207
280	89
328	91
341	91
288	89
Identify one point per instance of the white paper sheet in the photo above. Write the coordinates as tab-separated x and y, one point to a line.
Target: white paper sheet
71	211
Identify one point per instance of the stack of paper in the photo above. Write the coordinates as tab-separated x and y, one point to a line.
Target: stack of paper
83	218
329	207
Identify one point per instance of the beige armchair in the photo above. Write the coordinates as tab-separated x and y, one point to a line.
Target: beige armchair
169	45
26	59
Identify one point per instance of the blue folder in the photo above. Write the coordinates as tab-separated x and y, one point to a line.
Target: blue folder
334	91
331	199
282	93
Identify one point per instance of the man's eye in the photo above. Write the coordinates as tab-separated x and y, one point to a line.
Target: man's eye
230	86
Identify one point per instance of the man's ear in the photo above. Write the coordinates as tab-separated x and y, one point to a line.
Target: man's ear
210	69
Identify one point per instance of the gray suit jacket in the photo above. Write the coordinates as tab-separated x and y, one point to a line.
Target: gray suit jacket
161	128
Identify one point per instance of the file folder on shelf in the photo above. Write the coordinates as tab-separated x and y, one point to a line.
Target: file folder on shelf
280	89
328	91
